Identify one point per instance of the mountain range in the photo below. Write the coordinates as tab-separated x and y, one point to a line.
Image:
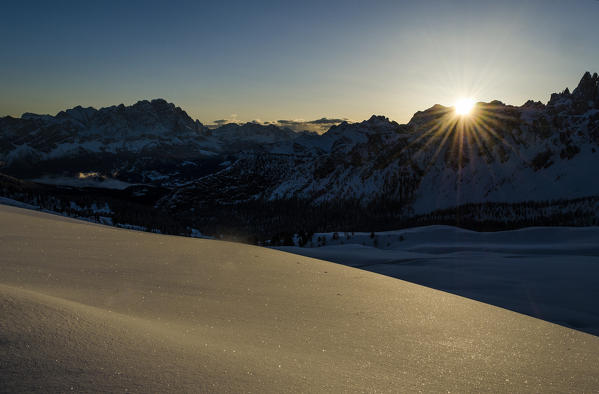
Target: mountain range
516	165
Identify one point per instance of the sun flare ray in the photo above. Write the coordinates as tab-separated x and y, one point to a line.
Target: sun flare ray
464	106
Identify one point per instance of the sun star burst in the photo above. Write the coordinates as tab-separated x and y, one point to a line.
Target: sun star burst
464	106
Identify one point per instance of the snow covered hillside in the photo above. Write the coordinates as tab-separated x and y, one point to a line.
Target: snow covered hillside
90	308
152	142
500	154
547	272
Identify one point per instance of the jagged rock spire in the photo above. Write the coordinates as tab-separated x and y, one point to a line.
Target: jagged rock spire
588	88
586	95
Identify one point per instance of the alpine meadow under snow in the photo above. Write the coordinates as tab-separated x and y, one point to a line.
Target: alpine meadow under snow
91	308
550	273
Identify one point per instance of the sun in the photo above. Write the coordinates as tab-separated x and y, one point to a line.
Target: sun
464	106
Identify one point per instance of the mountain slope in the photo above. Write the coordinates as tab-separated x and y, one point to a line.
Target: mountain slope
500	154
150	142
546	272
92	308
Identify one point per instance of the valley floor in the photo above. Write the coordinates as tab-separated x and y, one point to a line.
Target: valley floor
89	308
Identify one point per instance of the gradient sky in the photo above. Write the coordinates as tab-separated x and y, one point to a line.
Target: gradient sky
273	60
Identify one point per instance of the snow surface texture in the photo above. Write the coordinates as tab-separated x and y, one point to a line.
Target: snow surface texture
551	273
90	308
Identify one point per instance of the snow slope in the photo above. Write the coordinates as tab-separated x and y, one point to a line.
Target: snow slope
86	307
547	272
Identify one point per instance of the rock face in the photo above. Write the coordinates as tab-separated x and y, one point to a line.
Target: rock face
499	154
583	98
502	154
148	142
588	89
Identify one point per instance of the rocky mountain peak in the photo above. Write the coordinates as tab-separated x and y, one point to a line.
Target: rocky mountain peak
358	131
533	104
429	115
374	119
585	96
588	88
78	113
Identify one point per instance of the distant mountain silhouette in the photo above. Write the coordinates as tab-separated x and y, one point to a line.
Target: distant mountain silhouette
501	154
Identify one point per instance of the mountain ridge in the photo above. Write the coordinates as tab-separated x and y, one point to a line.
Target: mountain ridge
437	161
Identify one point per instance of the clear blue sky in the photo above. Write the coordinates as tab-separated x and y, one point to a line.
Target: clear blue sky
272	60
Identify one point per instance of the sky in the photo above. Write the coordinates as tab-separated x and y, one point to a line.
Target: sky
291	60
